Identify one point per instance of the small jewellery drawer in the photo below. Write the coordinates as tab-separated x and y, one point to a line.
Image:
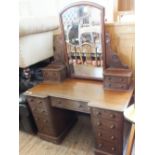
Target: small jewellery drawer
121	86
107	125
116	79
54	76
110	137
70	104
107	114
38	105
106	146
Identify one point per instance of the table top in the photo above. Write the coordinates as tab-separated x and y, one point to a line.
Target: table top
129	113
84	90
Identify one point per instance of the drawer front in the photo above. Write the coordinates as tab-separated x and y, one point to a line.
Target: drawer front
116	79
70	104
106	114
51	75
107	147
110	137
116	85
110	126
38	105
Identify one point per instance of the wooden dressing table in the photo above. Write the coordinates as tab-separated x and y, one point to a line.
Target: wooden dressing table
86	77
53	106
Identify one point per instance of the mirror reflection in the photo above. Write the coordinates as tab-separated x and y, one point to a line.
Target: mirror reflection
82	30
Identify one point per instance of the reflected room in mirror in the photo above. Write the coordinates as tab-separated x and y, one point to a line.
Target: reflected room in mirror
83	30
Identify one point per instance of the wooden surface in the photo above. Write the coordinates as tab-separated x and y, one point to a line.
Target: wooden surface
126	5
84	90
130	140
78	142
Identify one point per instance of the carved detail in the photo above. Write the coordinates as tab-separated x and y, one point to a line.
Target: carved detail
59	49
112	59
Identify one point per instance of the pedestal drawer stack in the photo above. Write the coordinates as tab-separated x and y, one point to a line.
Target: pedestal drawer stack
48	119
108	129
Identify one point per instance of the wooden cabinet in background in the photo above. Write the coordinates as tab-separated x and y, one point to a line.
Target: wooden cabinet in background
126	5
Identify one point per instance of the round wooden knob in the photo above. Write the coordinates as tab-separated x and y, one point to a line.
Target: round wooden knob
122	79
99	134
113	149
122	86
112	115
80	106
40	102
97	113
31	100
43	111
112	137
98	123
112	126
100	145
45	121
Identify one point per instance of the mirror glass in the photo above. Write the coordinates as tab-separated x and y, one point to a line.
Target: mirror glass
82	31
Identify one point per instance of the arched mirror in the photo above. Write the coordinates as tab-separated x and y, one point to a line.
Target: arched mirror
82	25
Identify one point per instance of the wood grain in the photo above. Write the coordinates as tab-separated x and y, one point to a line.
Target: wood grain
126	5
84	90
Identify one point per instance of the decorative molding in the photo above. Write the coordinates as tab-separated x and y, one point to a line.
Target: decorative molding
112	59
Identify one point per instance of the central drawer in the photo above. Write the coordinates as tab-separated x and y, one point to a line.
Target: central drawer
70	104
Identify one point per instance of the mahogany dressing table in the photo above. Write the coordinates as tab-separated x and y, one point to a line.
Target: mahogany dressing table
55	101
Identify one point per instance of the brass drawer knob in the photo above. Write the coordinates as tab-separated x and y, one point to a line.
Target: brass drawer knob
112	115
45	121
112	126
40	102
113	149
100	145
98	123
31	100
112	137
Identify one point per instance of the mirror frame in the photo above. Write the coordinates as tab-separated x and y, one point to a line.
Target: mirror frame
103	46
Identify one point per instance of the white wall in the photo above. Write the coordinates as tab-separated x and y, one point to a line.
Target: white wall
53	7
108	4
38	8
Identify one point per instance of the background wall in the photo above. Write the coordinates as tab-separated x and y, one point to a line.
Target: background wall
38	8
53	7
